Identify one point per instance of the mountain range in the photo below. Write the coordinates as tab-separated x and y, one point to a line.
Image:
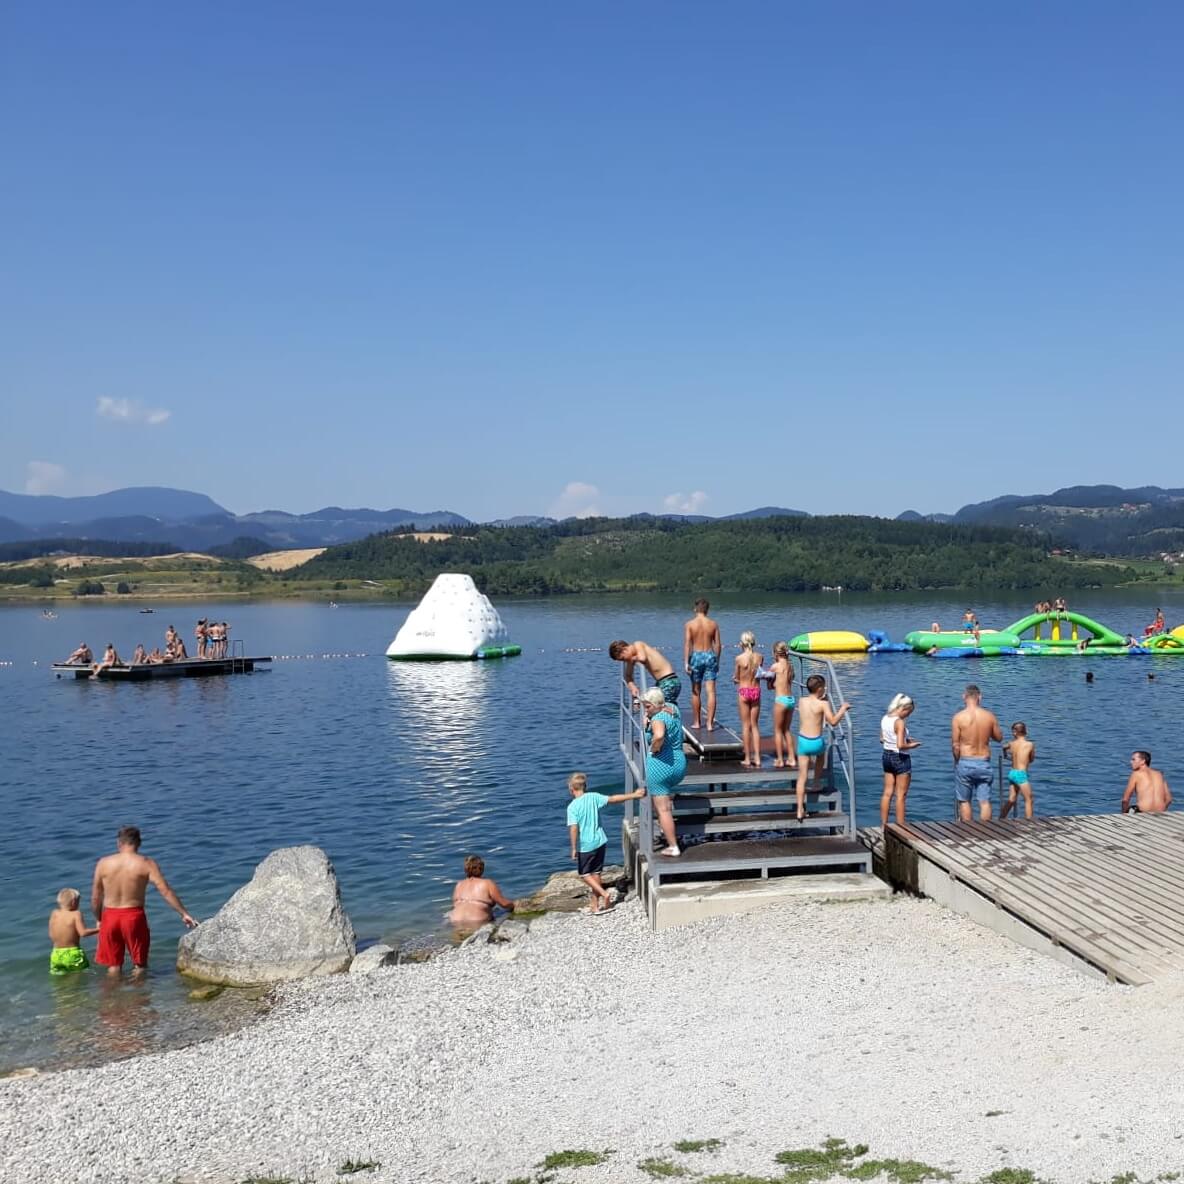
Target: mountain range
1141	521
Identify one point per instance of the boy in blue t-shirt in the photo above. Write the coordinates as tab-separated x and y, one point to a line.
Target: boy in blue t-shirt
588	840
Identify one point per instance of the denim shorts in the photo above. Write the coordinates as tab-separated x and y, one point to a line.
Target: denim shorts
973	778
896	763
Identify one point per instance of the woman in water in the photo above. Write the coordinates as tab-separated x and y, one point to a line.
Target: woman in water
748	692
474	898
895	759
781	684
665	762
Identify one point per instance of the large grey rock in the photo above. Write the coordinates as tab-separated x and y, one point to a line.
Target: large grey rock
479	937
287	923
372	958
565	892
511	930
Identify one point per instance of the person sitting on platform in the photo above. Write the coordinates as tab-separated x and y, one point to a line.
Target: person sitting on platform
474	898
1159	625
588	840
110	658
701	649
813	712
156	656
653	660
139	655
82	656
1148	787
66	930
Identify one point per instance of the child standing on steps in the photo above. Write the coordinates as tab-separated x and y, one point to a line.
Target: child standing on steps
588	840
748	692
781	684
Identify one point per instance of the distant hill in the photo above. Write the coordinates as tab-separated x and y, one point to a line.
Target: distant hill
913	516
766	512
149	501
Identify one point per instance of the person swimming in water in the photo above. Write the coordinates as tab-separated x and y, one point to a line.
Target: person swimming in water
748	694
814	712
1147	787
475	897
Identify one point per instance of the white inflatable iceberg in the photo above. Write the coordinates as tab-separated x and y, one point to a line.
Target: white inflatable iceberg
454	620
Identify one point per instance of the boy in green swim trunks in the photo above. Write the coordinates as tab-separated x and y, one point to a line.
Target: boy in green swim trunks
1022	752
66	930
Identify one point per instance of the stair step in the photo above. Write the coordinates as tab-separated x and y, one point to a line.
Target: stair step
715	799
739	823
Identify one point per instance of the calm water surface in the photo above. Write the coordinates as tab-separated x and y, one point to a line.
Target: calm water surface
399	770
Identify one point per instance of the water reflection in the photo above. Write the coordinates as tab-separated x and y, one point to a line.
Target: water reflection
438	703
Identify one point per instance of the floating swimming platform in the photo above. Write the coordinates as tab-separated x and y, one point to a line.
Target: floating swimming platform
846	641
720	744
145	671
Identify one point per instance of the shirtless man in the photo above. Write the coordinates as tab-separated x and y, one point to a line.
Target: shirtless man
81	656
1148	785
652	659
971	731
110	658
701	649
117	901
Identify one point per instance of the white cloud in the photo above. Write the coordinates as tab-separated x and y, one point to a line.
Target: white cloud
43	476
577	500
129	411
690	503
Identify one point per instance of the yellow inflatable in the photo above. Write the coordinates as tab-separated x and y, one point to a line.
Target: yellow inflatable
830	641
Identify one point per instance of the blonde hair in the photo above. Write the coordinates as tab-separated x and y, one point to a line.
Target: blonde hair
748	639
780	649
578	781
654	697
898	701
69	898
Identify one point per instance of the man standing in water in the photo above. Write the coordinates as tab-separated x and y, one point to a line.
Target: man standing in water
971	731
701	649
117	901
1148	786
653	660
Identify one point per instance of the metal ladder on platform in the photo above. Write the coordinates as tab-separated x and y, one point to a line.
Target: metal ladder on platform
238	655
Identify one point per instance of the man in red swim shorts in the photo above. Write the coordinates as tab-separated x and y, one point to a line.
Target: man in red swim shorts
117	899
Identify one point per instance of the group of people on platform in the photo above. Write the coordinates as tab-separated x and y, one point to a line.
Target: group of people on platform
118	888
213	641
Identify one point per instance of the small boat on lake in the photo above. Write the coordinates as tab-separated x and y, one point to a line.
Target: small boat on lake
454	621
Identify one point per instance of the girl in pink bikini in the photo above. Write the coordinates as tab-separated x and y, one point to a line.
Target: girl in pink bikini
748	691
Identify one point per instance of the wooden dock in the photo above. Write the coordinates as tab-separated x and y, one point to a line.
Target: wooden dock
188	668
1101	892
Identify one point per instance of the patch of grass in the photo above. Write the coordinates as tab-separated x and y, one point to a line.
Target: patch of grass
268	1180
1168	1176
740	1178
902	1171
689	1146
805	1164
661	1169
528	914
1011	1176
994	1113
574	1159
351	1166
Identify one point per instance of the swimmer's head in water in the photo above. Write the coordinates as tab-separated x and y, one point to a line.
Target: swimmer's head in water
1019	728
815	683
701	605
474	866
780	649
129	836
1139	758
69	898
972	694
748	639
616	650
577	782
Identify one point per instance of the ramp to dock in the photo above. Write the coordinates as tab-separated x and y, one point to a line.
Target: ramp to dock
1103	893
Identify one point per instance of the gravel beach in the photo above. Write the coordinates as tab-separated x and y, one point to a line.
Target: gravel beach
895	1024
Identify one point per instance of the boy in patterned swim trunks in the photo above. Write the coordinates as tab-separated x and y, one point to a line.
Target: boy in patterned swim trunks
701	648
653	660
66	930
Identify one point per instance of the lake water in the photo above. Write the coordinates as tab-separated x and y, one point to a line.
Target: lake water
398	771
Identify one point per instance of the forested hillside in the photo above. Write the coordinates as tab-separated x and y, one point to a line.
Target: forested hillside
772	554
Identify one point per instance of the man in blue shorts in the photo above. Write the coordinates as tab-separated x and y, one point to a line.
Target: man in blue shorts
971	731
700	656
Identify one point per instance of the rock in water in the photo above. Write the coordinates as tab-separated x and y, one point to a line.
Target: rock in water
375	957
565	892
287	923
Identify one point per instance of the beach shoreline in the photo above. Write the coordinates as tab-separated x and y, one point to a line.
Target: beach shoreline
894	1024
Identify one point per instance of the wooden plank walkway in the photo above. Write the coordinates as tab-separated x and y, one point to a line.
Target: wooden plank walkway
1106	888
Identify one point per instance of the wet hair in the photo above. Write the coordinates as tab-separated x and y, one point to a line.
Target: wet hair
972	692
898	701
474	865
69	898
654	697
1144	754
815	682
1089	676
578	781
780	649
1020	727
616	649
129	835
701	605
748	639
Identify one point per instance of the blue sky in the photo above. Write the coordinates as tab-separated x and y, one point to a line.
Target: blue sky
519	258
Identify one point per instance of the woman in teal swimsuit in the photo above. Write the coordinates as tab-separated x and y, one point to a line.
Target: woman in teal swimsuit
665	762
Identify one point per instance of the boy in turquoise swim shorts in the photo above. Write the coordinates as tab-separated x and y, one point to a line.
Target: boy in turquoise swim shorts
66	930
1022	752
814	713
